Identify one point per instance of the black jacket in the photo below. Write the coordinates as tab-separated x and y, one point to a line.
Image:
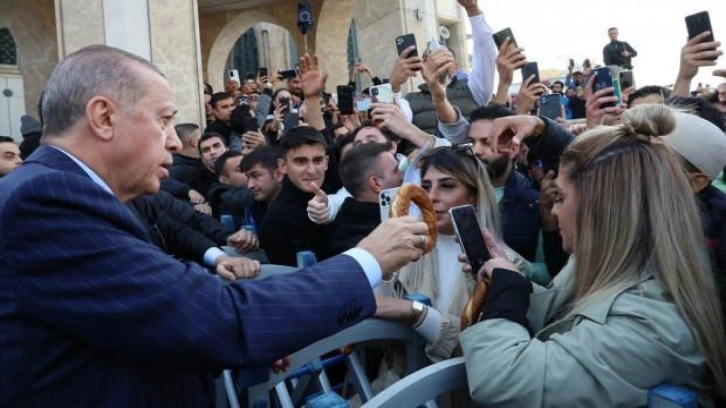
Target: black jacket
231	200
192	172
354	222
612	54
713	211
286	228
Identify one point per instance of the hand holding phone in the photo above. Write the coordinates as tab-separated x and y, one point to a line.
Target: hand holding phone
466	226
405	41
500	36
382	93
550	106
604	79
530	69
699	23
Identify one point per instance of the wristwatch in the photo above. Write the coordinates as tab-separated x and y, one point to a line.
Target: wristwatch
417	309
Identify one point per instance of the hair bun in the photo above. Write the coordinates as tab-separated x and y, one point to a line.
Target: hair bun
649	120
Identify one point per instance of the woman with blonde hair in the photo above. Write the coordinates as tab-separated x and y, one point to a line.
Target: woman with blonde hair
452	176
635	307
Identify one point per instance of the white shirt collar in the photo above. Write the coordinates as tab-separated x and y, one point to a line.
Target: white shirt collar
92	174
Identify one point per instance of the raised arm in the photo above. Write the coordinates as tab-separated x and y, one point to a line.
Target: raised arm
481	79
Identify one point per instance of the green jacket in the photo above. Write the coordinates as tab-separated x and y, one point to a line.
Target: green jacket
609	355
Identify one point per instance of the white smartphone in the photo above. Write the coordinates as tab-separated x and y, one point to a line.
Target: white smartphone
382	93
385	199
234	74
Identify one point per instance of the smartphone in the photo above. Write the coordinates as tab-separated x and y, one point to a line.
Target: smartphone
345	99
385	198
466	226
405	41
249	124
698	23
234	74
287	73
530	69
550	106
604	79
363	105
382	93
250	76
572	63
262	72
500	36
626	79
291	120
433	45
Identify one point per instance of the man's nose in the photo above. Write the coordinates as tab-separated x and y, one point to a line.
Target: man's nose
173	144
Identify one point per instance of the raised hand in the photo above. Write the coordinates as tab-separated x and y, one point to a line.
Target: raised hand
528	94
318	206
509	59
404	68
312	77
596	113
437	66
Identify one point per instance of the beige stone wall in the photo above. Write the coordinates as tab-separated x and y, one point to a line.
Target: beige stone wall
33	29
273	44
175	50
80	23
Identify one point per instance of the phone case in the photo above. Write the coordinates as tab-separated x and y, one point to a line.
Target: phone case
530	69
385	198
234	74
550	106
405	41
382	93
468	231
345	99
698	23
502	35
604	79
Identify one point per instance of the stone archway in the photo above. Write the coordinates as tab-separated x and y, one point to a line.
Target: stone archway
225	40
331	39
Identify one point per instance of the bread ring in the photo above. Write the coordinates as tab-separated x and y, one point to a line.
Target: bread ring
412	193
474	306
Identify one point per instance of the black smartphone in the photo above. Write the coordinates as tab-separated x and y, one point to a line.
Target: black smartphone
500	36
288	73
572	63
698	23
550	106
291	120
530	69
626	79
604	79
345	99
249	124
405	41
250	76
262	72
466	226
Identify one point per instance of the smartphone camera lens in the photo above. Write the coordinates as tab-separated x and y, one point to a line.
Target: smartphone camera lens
374	91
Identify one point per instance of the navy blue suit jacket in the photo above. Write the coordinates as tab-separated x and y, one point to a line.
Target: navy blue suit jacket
92	314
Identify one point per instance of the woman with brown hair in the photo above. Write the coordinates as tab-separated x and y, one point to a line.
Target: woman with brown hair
635	307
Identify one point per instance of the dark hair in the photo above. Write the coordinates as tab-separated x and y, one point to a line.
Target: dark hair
490	112
698	106
209	135
6	139
390	136
562	84
299	136
185	130
219	96
644	91
266	156
343	141
208	89
612	28
222	160
359	163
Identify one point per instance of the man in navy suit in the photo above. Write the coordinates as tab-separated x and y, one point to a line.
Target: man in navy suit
93	314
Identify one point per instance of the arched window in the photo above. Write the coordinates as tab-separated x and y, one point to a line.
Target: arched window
8	52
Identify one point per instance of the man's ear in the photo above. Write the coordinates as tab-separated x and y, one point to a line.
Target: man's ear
223	179
699	181
374	184
102	113
281	167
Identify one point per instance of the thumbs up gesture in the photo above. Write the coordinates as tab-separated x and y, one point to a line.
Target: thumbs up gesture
318	206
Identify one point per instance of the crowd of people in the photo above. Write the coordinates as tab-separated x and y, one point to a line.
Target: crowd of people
130	243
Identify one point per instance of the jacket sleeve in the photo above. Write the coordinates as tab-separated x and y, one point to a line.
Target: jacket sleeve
481	79
119	294
176	188
263	107
631	50
182	241
210	227
611	363
550	145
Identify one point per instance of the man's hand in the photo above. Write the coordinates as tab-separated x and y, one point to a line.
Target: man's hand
625	54
596	113
471	7
389	116
395	243
695	54
720	73
508	133
233	268
318	205
243	241
253	140
195	197
312	78
437	66
404	68
509	59
281	365
204	208
528	95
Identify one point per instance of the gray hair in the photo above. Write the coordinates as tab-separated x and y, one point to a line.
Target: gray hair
91	71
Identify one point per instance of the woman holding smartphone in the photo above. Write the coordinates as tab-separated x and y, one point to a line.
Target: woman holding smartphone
635	307
452	177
